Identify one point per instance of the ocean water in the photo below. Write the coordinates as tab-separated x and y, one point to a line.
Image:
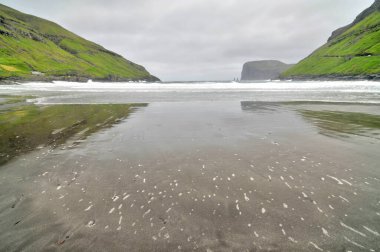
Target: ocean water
272	166
68	92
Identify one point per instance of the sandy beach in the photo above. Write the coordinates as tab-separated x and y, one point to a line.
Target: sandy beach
201	176
206	126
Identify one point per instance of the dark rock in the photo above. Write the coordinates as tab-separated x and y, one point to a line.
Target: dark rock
263	70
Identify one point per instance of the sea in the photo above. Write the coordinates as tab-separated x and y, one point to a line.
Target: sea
270	91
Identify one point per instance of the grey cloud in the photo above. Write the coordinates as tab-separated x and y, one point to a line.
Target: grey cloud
200	39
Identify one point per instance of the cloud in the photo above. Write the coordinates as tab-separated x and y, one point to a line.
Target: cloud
200	39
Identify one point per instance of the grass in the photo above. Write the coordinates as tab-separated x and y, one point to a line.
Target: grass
355	52
24	128
29	43
9	68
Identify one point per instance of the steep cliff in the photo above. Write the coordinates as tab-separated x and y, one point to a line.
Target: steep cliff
263	70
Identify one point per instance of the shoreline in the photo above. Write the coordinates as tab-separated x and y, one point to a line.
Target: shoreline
79	79
333	78
372	77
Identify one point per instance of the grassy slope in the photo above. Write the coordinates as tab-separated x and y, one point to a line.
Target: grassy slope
28	43
346	54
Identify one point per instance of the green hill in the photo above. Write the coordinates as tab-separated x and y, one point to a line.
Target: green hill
351	52
32	48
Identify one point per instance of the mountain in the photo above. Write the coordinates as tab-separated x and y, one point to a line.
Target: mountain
32	48
352	52
263	70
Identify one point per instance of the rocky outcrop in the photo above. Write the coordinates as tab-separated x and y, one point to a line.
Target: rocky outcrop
263	70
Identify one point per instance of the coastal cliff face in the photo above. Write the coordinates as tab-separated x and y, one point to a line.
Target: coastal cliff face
263	70
352	52
32	48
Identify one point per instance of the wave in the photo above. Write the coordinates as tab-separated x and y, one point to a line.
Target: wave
100	92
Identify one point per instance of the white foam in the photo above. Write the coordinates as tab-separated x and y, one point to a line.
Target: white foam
315	246
325	232
343	198
246	197
146	213
362	91
283	232
352	229
354	243
371	231
345	181
348	86
292	239
91	224
336	179
88	208
286	183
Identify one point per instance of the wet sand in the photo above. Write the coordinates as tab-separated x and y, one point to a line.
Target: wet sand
202	176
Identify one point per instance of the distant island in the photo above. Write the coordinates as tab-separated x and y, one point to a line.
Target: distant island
34	49
263	70
352	52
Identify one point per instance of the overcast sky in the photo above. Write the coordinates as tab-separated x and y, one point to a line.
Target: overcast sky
200	39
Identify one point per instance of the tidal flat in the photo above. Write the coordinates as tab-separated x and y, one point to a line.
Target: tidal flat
190	176
25	127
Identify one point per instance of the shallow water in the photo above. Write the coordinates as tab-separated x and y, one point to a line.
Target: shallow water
217	172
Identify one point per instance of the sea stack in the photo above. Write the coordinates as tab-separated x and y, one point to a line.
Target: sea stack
263	70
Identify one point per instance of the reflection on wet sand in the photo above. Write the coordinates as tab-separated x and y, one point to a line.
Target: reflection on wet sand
258	107
196	177
12	99
24	127
340	123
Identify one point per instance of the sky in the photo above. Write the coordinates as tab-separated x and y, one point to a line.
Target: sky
190	40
